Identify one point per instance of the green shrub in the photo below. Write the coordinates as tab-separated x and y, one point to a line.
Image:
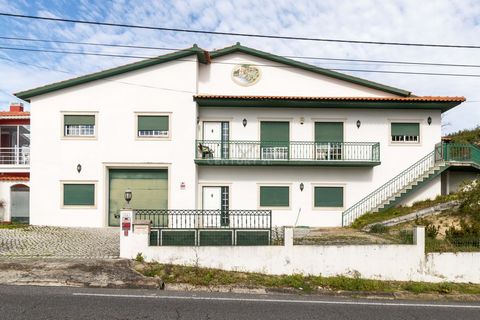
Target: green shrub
140	257
378	228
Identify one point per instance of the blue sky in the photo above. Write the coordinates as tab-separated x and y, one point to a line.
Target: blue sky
441	21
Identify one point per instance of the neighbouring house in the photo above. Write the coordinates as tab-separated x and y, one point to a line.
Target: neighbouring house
233	129
14	164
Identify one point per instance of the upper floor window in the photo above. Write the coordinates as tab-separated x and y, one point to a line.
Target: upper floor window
153	126
405	132
79	125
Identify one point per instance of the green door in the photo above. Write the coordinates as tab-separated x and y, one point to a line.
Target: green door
149	190
328	140
274	139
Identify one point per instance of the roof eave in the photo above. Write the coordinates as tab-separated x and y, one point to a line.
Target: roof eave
352	104
202	55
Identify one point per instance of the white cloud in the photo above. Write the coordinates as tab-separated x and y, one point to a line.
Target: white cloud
439	21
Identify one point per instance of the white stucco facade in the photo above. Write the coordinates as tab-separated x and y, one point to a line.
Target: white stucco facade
168	89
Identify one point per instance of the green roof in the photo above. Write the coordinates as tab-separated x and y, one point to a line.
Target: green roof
204	57
195	50
305	66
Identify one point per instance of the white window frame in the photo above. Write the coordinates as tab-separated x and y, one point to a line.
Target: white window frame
275	184
314	185
80	136
95	199
155	134
417	142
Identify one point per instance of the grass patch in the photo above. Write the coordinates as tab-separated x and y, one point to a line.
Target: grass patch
370	218
309	284
13	225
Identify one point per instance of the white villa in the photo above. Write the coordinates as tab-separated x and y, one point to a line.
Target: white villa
235	129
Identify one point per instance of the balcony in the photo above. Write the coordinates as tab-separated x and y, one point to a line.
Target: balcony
16	156
301	153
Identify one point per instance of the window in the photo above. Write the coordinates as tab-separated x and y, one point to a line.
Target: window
328	197
405	132
274	196
153	126
79	125
78	194
274	139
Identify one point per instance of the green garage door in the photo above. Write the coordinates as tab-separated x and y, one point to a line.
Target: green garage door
149	190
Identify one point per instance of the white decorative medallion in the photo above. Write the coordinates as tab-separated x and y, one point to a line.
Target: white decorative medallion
245	74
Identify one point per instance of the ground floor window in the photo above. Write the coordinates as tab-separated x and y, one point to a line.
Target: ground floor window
274	196
330	197
78	194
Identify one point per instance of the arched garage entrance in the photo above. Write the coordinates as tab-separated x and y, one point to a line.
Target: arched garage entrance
20	203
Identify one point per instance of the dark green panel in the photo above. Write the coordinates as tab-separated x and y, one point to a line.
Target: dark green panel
79	120
274	196
328	196
78	194
405	129
328	131
253	238
216	238
153	123
274	133
138	174
178	238
149	191
154	237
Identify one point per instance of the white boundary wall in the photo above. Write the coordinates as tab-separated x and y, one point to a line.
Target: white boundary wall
384	262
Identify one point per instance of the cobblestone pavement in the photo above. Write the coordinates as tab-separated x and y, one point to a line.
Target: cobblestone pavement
56	242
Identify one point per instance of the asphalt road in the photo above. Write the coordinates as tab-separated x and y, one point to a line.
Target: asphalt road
25	302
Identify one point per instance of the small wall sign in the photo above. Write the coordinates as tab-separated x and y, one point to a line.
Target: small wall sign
182	186
245	74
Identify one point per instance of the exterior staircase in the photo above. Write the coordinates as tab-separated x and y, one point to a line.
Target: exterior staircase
413	178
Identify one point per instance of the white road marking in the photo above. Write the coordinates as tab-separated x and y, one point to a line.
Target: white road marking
361	303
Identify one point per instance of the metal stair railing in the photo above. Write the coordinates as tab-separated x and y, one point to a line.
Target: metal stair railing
448	152
389	189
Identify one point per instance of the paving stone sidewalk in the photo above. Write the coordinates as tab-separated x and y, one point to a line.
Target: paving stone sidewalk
56	242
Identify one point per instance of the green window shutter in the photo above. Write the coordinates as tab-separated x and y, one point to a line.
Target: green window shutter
153	123
79	120
274	133
274	196
328	197
405	129
78	194
328	131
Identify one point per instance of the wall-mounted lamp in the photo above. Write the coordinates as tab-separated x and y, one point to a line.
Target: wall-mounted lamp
128	196
244	122
429	120
302	120
302	186
358	124
198	120
79	168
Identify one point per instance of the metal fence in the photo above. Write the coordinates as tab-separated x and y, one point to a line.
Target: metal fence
207	227
15	156
287	150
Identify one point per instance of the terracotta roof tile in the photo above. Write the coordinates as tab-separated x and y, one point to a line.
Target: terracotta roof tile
14	178
14	114
423	98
